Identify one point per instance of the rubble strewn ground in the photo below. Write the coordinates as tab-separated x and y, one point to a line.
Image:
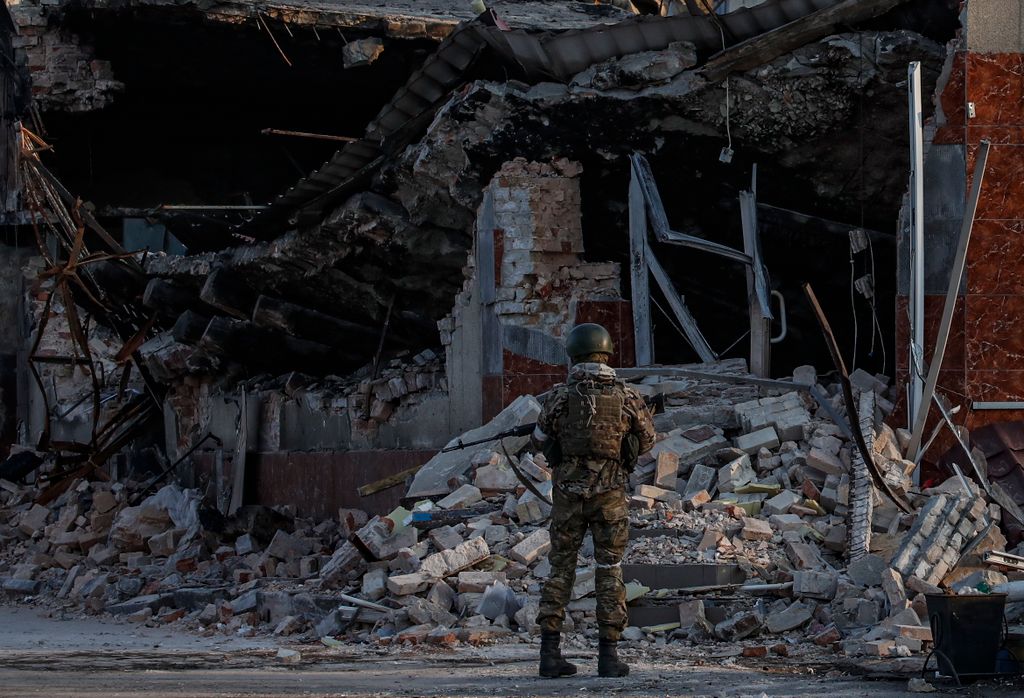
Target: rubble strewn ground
759	506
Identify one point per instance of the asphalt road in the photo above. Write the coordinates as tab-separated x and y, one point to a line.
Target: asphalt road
85	657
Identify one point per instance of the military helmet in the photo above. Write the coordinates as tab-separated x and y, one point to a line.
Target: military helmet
588	338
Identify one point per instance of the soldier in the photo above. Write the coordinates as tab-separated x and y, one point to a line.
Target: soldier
592	429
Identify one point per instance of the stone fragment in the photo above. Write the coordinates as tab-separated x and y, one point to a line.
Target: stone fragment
815	584
103	501
735	474
33	520
892	585
375	584
867	571
536	545
739	626
827	636
164	544
245	544
462	498
825	462
805	375
444	538
702	477
804	556
666	470
780	503
382	538
656	493
345	562
756	529
449	562
494	478
405	584
795	615
285	546
477	582
441	594
755	441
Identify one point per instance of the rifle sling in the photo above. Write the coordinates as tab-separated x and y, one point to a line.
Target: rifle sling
523	477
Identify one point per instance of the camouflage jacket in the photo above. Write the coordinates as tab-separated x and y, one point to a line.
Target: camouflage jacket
588	417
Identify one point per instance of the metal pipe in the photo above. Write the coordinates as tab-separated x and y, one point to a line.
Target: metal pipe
305	134
782	318
916	123
997	406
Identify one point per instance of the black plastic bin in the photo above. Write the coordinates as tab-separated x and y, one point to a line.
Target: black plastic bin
967	633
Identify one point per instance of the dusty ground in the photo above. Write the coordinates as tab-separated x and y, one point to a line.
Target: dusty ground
76	656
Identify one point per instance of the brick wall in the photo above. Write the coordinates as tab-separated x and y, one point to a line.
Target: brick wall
542	286
63	72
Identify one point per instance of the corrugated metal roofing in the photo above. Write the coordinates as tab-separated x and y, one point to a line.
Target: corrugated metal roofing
540	56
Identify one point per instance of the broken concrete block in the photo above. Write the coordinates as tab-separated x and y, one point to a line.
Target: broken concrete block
164	544
702	477
285	546
462	498
361	52
33	520
382	539
865	381
867	571
346	561
825	462
892	585
448	562
245	544
756	529
835	538
735	474
103	501
494	478
739	626
786	522
696	501
405	584
375	584
781	503
804	556
656	493
477	582
536	545
755	441
815	584
444	538
535	470
422	611
805	375
666	470
441	594
498	600
790	618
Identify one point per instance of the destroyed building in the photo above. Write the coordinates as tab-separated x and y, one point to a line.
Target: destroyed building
286	252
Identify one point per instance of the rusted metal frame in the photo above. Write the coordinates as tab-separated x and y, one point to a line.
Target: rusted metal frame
678	305
851	406
952	293
916	403
758	302
639	281
305	134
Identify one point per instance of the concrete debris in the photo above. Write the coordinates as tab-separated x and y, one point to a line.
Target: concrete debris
468	566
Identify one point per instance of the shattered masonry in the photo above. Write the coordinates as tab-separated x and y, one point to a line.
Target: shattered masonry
307	360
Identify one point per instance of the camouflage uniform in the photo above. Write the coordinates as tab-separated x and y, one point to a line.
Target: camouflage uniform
588	418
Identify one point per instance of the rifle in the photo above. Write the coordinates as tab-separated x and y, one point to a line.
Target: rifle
521	430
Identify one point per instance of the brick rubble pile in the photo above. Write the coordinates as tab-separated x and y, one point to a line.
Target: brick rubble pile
765	492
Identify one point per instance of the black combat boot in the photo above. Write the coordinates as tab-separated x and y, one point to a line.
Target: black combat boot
608	663
552	665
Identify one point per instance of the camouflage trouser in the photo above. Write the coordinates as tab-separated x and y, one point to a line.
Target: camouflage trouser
607	517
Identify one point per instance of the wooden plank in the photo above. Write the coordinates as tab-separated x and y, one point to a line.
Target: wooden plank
387	482
641	294
679	309
766	47
757	296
